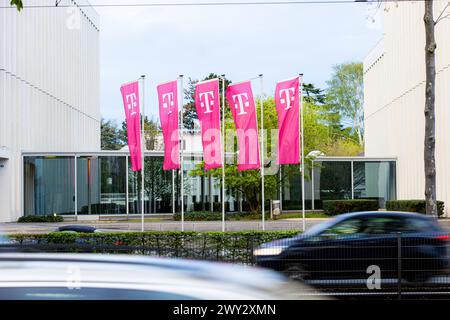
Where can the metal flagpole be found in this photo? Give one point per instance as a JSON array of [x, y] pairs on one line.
[[180, 78], [142, 151], [223, 152], [173, 191], [303, 152], [262, 152]]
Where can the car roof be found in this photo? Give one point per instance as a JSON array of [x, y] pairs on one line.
[[137, 271], [397, 214]]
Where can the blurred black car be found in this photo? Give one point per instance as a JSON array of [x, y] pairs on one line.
[[77, 229], [345, 247]]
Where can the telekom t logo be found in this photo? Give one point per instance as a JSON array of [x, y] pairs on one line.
[[168, 102], [131, 102], [287, 97], [240, 102], [207, 100]]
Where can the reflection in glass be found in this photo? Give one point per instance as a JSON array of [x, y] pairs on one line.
[[374, 180], [101, 185], [49, 186], [333, 180]]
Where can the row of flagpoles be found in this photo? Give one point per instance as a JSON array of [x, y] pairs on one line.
[[209, 108]]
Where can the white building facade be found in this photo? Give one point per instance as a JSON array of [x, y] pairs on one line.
[[394, 85], [49, 89]]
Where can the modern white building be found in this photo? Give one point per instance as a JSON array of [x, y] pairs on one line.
[[49, 92], [394, 83]]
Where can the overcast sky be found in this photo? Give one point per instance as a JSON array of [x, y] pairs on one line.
[[239, 41]]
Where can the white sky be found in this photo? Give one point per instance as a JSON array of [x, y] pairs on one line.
[[239, 41]]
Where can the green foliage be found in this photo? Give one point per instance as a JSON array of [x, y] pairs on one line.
[[151, 130], [345, 95], [47, 218], [213, 216], [417, 206], [335, 207], [17, 3], [189, 112], [232, 247], [110, 136]]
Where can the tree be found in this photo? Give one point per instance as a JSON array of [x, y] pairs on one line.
[[346, 95], [110, 135], [17, 3], [430, 138], [151, 131], [189, 112], [321, 133]]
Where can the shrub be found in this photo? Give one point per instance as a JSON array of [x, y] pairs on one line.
[[199, 216], [216, 246], [412, 206], [46, 218], [335, 207], [213, 216]]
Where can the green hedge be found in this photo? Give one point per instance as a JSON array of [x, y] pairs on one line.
[[47, 218], [216, 246], [210, 216], [335, 207], [412, 206]]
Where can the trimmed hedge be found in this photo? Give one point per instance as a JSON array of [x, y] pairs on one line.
[[335, 207], [417, 206], [209, 216], [215, 246], [199, 216], [47, 218]]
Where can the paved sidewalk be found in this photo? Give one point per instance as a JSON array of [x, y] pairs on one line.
[[124, 226]]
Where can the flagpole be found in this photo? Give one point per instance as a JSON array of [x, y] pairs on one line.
[[262, 152], [173, 191], [302, 151], [142, 151], [180, 78], [223, 152]]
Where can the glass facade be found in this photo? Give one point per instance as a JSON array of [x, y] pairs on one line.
[[105, 184], [101, 185], [354, 179], [49, 185]]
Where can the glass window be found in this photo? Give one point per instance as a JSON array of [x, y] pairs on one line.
[[158, 186], [332, 180], [101, 185], [346, 227], [49, 185], [383, 225], [374, 180]]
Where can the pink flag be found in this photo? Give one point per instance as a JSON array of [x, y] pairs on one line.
[[242, 104], [207, 103], [168, 114], [288, 107], [130, 96]]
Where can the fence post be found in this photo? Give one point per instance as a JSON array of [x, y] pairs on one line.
[[399, 265]]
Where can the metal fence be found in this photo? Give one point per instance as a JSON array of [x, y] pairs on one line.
[[393, 266]]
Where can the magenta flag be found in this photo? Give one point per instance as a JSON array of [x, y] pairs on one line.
[[168, 114], [288, 108], [130, 96], [242, 105], [207, 104]]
